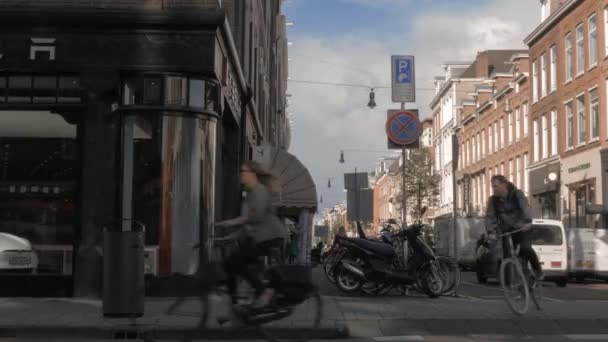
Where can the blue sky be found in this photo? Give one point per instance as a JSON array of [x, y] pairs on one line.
[[351, 41]]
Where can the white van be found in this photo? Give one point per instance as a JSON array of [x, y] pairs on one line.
[[588, 253], [549, 242]]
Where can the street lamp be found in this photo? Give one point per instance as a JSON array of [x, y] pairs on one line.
[[372, 99]]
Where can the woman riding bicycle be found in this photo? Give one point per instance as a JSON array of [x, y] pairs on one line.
[[260, 232], [507, 210]]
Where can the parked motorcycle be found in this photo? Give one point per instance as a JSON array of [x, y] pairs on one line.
[[365, 263]]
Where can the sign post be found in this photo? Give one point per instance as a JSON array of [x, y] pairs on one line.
[[403, 127]]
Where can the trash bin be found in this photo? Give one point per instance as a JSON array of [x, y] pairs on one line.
[[123, 273]]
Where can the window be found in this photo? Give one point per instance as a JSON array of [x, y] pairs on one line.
[[483, 143], [594, 116], [553, 132], [534, 82], [580, 109], [525, 110], [581, 194], [569, 125], [606, 32], [502, 132], [536, 155], [511, 128], [543, 75], [569, 56], [580, 49], [502, 169], [517, 127], [525, 166], [545, 144], [511, 171], [479, 148], [593, 40], [518, 177], [544, 10], [496, 147], [553, 68], [490, 141], [474, 147]]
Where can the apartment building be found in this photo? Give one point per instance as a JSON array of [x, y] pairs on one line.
[[493, 129], [568, 161]]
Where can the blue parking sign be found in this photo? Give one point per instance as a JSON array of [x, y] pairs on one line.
[[403, 73]]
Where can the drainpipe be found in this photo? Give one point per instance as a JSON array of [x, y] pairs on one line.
[[245, 103]]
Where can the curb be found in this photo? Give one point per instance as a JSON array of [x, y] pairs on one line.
[[153, 332]]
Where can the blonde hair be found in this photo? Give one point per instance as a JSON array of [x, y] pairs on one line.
[[264, 176]]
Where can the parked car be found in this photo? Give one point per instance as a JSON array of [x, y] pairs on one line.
[[17, 254], [549, 242], [588, 253]]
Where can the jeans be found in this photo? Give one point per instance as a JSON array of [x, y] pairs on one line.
[[526, 252], [244, 261]]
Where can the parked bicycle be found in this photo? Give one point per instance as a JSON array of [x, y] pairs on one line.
[[296, 294], [518, 281]]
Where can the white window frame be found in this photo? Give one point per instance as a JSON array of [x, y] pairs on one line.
[[580, 49], [511, 127], [545, 136], [569, 53], [525, 170], [518, 178], [502, 168], [517, 123], [483, 143], [474, 146], [511, 171], [479, 150], [593, 119], [496, 136], [490, 140], [569, 114], [553, 67], [580, 113], [593, 56], [536, 154], [534, 82], [543, 75], [605, 32], [502, 132], [554, 133], [526, 122]]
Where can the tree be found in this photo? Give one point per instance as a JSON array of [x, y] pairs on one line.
[[421, 182]]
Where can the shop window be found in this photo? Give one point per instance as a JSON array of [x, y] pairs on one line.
[[2, 89], [40, 89], [38, 176], [69, 90], [19, 89], [580, 195]]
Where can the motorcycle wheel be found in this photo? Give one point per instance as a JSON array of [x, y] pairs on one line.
[[432, 282], [346, 281], [327, 266]]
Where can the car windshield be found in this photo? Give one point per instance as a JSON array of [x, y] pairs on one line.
[[546, 235]]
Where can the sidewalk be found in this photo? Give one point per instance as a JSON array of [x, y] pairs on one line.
[[362, 316]]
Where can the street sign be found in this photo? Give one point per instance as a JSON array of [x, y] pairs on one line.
[[403, 79], [360, 205], [403, 128], [352, 182]]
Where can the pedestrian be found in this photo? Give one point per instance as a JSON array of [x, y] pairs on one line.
[[508, 210], [292, 249]]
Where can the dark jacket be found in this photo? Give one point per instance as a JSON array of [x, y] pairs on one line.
[[508, 213]]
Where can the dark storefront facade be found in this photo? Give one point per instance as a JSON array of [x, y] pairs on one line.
[[544, 188], [101, 127]]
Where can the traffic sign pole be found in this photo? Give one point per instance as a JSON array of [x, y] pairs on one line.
[[403, 198]]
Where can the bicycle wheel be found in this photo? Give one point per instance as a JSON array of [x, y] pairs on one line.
[[536, 291], [451, 275], [515, 286]]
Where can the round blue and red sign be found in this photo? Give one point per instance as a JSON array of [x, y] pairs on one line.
[[403, 128]]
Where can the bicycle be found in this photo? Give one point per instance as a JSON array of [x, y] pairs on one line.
[[296, 293], [518, 281]]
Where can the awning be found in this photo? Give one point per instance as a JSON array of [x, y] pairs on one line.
[[296, 189]]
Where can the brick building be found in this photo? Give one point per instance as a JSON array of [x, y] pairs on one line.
[[493, 130], [134, 110], [568, 159]]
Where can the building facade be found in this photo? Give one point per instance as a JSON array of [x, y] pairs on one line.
[[124, 111], [493, 131], [568, 52]]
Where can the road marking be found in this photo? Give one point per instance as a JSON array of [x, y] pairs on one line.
[[587, 337], [405, 338]]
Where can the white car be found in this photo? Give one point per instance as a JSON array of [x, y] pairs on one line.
[[16, 254]]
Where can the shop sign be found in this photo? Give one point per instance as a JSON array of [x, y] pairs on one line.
[[579, 167]]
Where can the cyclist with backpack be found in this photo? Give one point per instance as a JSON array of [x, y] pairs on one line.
[[508, 210]]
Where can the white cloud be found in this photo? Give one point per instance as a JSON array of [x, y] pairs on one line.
[[329, 118]]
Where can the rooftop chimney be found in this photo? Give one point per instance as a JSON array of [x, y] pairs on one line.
[[482, 65]]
